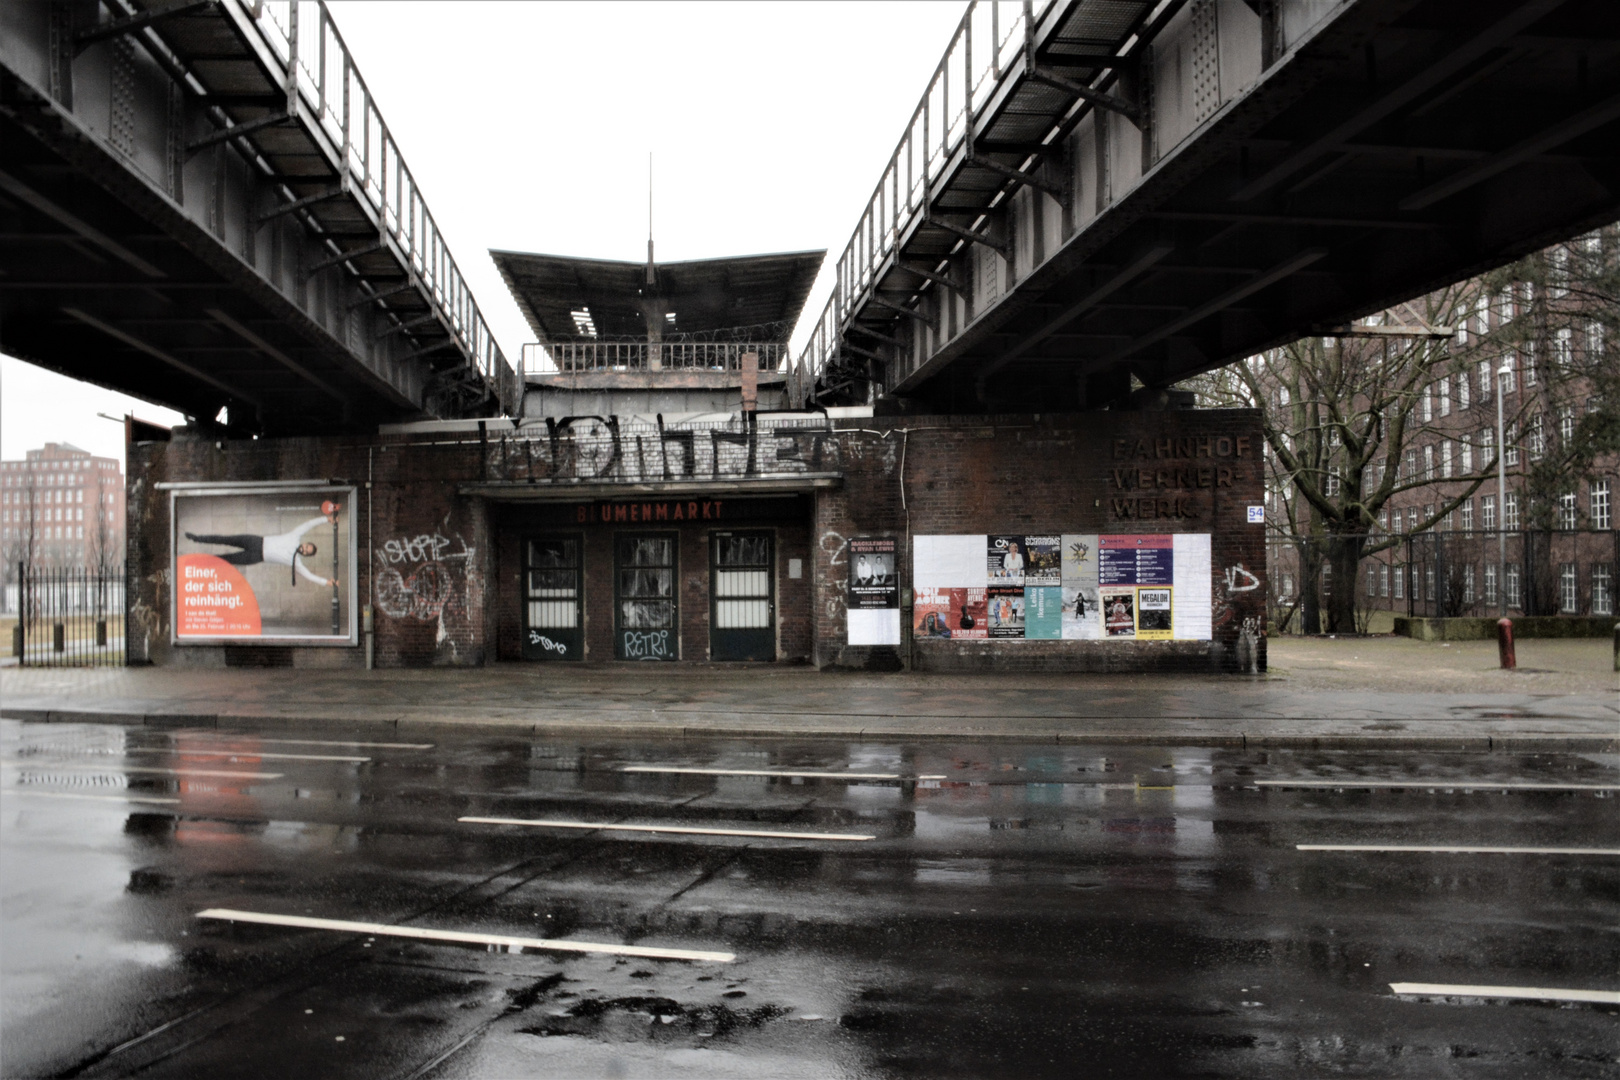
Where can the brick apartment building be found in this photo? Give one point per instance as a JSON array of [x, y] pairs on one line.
[[1539, 336], [61, 507]]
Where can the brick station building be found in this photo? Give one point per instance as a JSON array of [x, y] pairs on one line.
[[658, 500]]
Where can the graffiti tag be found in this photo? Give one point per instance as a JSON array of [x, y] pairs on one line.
[[647, 645]]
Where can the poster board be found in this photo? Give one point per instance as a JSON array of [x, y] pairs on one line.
[[873, 603], [1063, 586], [263, 563]]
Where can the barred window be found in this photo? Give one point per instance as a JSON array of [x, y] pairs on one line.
[[1597, 505], [1468, 584], [1567, 513], [1383, 580], [1490, 583], [1602, 589], [1510, 511], [1512, 587], [1468, 516], [1400, 583]]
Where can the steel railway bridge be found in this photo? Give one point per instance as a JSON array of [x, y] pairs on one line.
[[1097, 198], [202, 204], [203, 207]]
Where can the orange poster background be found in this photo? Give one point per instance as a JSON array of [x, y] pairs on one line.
[[213, 599]]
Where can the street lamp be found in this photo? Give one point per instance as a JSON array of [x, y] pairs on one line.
[[1501, 490]]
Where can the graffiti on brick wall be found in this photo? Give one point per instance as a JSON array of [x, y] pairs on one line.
[[1235, 581], [630, 450], [424, 577]]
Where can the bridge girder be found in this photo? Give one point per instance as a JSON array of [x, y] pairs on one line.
[[1281, 170], [185, 224]]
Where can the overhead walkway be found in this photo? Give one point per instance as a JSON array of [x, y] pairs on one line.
[[1097, 198], [204, 207]]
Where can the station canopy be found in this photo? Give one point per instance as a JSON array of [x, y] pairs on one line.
[[748, 298]]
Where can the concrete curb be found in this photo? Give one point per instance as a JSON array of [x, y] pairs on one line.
[[1581, 742]]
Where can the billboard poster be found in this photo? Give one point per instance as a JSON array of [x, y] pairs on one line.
[[873, 617], [1005, 562], [1043, 561], [1006, 608], [264, 562], [1153, 614], [949, 613], [1082, 619], [1043, 617], [1119, 613], [873, 582], [1135, 560]]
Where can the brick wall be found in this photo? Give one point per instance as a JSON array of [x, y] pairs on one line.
[[1193, 471], [429, 610], [1111, 472]]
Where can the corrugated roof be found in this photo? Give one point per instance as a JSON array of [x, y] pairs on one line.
[[758, 296]]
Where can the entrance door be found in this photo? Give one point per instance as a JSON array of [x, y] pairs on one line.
[[742, 596], [645, 612], [552, 626]]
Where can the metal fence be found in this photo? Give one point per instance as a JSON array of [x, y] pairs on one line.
[[1455, 573], [571, 356], [69, 617]]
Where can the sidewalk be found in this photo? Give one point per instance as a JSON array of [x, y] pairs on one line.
[[1351, 692]]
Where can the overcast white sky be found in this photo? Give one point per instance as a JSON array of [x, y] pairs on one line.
[[528, 125]]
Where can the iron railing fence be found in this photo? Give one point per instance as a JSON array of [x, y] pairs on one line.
[[301, 37], [550, 358], [1454, 573], [990, 41], [69, 617]]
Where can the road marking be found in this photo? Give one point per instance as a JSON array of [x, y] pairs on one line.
[[97, 798], [773, 772], [246, 753], [1487, 784], [1462, 850], [325, 742], [421, 934], [159, 770], [682, 829], [1526, 993]]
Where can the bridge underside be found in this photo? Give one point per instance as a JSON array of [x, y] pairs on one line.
[[1400, 147], [179, 225]]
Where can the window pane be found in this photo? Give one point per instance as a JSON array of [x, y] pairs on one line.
[[553, 553]]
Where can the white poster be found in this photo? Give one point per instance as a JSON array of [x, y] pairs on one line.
[[1081, 618], [874, 626], [1191, 613], [949, 562]]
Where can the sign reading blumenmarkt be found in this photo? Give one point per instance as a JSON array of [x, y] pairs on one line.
[[267, 562]]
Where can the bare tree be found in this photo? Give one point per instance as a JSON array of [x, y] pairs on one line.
[[1373, 413], [1343, 417]]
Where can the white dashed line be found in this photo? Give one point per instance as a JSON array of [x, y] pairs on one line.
[[247, 754], [304, 922], [1461, 849], [774, 772], [322, 742], [94, 798], [679, 829], [226, 774], [1486, 785], [1522, 993]]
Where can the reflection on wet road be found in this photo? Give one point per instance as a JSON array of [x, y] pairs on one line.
[[494, 906]]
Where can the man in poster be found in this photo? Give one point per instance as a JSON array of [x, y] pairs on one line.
[[284, 549]]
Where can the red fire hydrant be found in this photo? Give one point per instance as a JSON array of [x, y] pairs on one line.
[[1504, 644]]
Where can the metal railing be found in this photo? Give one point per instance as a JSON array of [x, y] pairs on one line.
[[69, 617], [571, 356], [987, 44], [302, 37]]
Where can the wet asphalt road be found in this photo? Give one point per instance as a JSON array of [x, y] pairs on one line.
[[1039, 911]]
